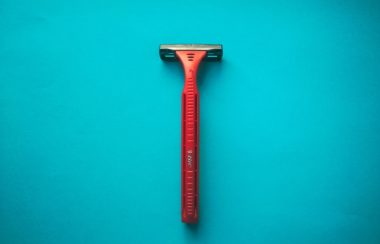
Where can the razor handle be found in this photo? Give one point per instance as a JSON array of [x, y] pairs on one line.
[[190, 135]]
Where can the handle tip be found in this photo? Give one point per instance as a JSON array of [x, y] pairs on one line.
[[190, 219]]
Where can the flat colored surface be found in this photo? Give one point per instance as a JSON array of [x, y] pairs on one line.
[[90, 122]]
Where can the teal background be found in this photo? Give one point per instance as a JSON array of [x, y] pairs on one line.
[[90, 122]]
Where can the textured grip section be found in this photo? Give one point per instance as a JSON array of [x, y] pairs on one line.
[[190, 157], [190, 135]]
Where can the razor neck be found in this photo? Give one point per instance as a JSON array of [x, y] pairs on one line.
[[190, 61]]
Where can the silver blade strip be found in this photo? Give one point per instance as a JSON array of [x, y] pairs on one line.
[[193, 47]]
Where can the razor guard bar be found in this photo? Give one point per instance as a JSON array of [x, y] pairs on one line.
[[214, 52]]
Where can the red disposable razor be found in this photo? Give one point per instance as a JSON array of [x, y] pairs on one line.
[[190, 56]]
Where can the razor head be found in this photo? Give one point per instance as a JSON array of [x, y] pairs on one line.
[[214, 52]]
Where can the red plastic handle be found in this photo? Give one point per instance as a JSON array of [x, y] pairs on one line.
[[190, 135]]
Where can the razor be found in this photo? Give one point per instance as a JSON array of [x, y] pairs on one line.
[[190, 55]]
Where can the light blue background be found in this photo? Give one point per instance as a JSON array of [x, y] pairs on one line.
[[90, 122]]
